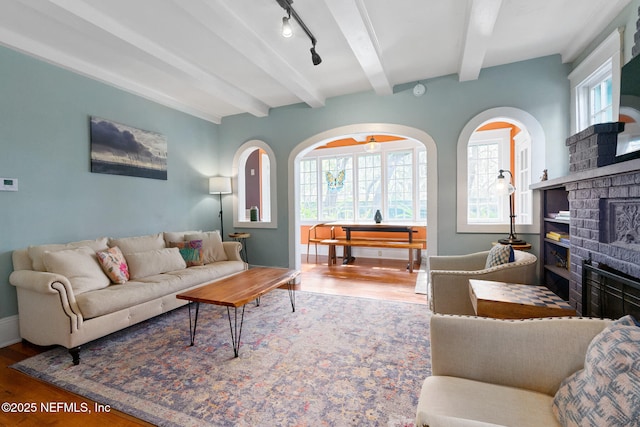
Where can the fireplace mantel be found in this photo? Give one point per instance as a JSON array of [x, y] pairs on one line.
[[601, 172]]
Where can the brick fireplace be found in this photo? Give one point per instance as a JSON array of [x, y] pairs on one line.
[[604, 201]]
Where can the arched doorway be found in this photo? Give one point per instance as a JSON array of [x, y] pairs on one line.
[[365, 128]]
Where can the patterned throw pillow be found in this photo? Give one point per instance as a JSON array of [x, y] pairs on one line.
[[114, 264], [191, 251], [212, 247], [498, 255], [607, 391]]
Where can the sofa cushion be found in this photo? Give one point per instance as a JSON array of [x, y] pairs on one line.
[[212, 249], [114, 298], [458, 401], [607, 390], [190, 250], [177, 236], [114, 264], [80, 266], [129, 245], [157, 261], [498, 255], [36, 252]]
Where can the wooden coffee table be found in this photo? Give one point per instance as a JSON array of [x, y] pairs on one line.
[[236, 291], [515, 301]]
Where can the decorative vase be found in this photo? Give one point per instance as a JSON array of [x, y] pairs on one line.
[[377, 217]]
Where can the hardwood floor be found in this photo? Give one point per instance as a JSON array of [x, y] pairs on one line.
[[378, 279]]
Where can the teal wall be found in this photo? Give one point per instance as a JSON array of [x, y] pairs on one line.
[[538, 86], [44, 143]]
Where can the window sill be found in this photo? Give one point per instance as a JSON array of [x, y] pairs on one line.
[[255, 224]]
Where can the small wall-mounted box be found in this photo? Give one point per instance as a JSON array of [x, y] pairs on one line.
[[8, 184]]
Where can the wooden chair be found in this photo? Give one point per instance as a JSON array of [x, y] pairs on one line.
[[313, 237]]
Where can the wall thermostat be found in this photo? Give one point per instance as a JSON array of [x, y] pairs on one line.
[[8, 184]]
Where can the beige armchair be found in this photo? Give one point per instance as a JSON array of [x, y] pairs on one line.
[[449, 278], [490, 372]]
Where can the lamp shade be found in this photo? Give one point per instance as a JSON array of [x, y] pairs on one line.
[[504, 187], [219, 185]]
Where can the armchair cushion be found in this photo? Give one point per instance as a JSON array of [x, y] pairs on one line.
[[607, 390]]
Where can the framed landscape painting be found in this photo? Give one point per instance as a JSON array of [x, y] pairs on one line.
[[118, 149]]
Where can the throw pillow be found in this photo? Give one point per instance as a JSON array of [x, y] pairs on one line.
[[498, 255], [212, 249], [129, 245], [149, 263], [607, 391], [191, 251], [80, 266], [36, 252], [114, 264]]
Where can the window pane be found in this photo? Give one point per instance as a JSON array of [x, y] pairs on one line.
[[337, 188], [601, 101], [400, 185], [483, 204], [422, 185], [369, 185], [308, 189]]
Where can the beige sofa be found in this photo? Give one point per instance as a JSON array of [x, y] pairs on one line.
[[449, 278], [65, 296], [489, 372]]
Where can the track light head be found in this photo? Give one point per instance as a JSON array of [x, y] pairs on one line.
[[315, 58], [287, 29]]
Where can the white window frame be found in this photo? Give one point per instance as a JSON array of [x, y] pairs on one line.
[[355, 151], [523, 194], [523, 120], [605, 59], [239, 209]]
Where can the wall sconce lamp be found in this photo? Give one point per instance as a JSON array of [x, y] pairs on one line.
[[220, 185], [287, 30], [504, 188]]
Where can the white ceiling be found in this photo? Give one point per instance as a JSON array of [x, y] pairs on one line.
[[215, 58]]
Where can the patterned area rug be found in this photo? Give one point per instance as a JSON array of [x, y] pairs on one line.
[[336, 361]]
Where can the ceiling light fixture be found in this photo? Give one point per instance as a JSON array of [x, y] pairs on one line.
[[287, 31], [372, 146]]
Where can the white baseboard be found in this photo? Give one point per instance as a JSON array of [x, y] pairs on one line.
[[9, 331]]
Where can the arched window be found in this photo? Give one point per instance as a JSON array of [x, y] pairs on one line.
[[255, 179], [501, 138]]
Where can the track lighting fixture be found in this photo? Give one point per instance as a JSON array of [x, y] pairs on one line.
[[287, 30]]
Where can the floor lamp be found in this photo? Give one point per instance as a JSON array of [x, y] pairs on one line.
[[506, 188], [220, 185]]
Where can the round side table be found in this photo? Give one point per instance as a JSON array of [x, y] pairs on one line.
[[242, 238]]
